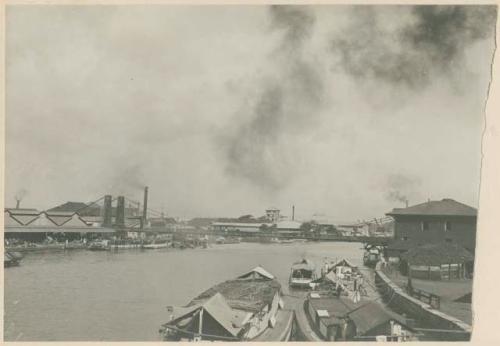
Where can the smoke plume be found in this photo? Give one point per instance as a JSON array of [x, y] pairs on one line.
[[290, 96], [431, 44], [21, 194], [401, 188], [128, 180]]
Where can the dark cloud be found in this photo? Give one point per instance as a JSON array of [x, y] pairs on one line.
[[431, 44], [296, 21], [289, 98]]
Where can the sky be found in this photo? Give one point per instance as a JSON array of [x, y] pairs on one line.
[[343, 111]]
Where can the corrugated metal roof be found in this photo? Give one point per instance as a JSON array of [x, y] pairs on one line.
[[445, 207], [42, 229]]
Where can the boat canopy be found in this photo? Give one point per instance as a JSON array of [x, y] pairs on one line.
[[218, 308], [305, 264], [373, 315], [344, 263], [257, 273]]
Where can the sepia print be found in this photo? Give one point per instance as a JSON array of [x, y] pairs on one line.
[[243, 173]]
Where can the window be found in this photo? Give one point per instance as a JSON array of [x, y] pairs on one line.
[[447, 226], [425, 225]]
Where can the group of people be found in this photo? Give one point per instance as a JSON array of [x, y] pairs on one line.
[[344, 276]]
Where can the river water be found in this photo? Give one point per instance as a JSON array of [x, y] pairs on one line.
[[122, 296]]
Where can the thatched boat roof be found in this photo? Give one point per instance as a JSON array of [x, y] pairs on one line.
[[249, 295], [437, 254]]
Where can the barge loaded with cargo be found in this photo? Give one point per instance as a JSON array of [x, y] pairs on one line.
[[247, 308]]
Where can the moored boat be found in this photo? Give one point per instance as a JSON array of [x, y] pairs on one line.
[[99, 245], [302, 274], [371, 257], [336, 318], [249, 307], [156, 244], [11, 259]]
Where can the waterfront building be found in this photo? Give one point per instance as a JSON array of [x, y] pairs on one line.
[[34, 226], [289, 227], [273, 214], [241, 227], [436, 221], [354, 229]]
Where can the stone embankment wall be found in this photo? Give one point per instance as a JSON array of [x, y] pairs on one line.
[[446, 327]]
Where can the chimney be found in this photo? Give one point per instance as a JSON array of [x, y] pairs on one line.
[[107, 213], [145, 208], [120, 212], [406, 203], [18, 203], [293, 212]]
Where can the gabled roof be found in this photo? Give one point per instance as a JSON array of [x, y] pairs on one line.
[[69, 206], [220, 310], [372, 315], [257, 270], [345, 263], [445, 207]]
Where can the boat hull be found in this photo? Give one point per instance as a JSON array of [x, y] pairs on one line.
[[154, 246]]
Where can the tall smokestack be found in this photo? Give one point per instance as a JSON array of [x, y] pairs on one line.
[[145, 207], [406, 201], [107, 213], [120, 212], [293, 212], [18, 203]]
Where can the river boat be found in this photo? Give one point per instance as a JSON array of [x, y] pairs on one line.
[[341, 308], [338, 318], [371, 257], [11, 259], [302, 274], [228, 240], [156, 244], [247, 308], [99, 245]]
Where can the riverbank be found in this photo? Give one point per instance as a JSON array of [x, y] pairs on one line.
[[445, 327]]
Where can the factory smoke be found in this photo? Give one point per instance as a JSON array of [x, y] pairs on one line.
[[225, 109], [430, 43], [291, 94], [402, 188]]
